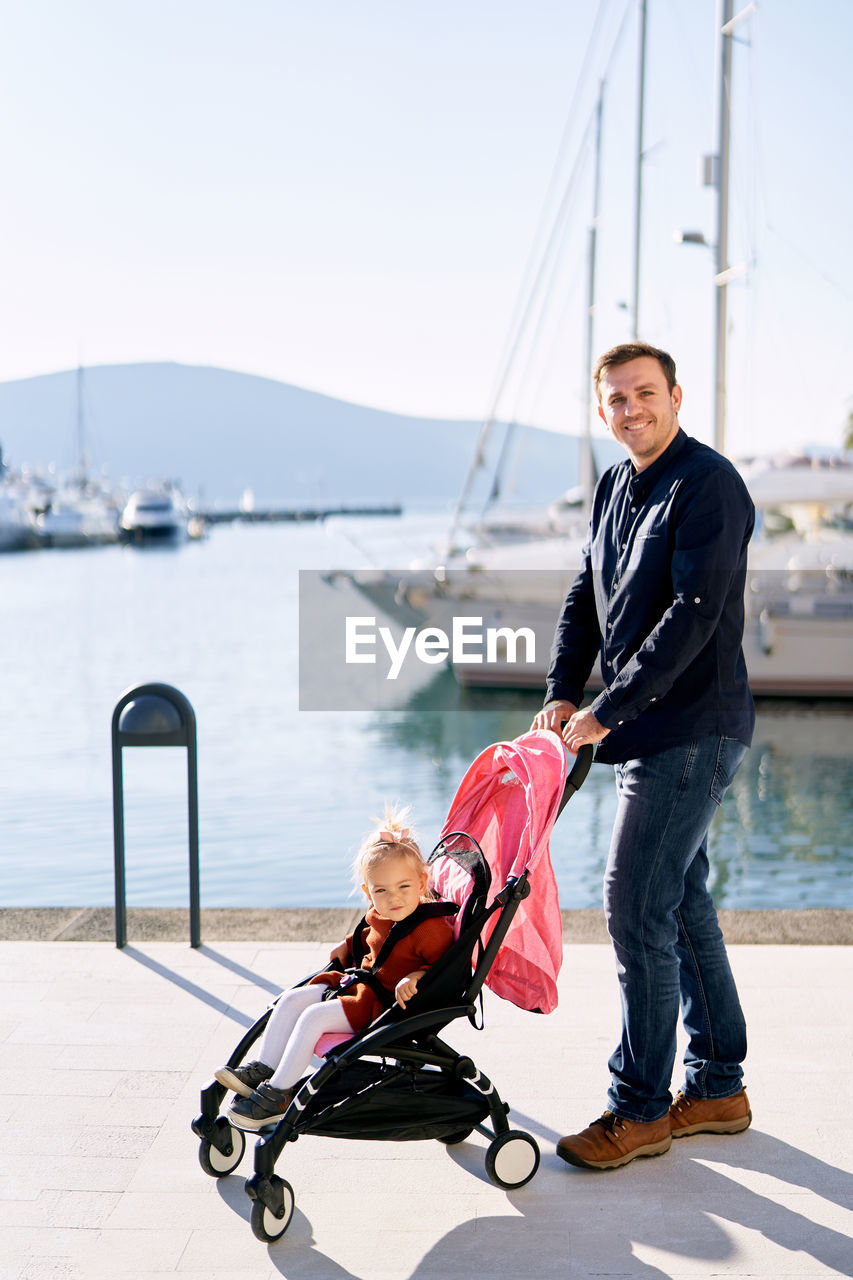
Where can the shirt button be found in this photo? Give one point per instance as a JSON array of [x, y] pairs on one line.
[[621, 722], [697, 600], [653, 699], [633, 508]]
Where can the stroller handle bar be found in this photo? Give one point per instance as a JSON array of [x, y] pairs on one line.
[[580, 769], [577, 775]]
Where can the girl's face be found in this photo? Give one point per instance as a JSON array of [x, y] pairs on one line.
[[395, 887]]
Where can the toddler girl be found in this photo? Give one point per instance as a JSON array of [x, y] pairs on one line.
[[390, 867]]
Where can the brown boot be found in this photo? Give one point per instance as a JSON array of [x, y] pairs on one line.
[[612, 1141], [709, 1115]]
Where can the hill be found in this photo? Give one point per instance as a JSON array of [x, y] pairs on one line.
[[218, 432]]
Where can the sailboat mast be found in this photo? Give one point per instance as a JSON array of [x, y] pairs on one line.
[[638, 201], [587, 462], [82, 459], [721, 279]]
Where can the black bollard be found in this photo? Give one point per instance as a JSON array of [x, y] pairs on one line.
[[154, 715]]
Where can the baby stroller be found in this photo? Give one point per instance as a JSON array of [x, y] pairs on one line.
[[397, 1080]]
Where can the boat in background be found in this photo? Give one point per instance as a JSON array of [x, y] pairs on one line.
[[17, 520], [17, 524], [158, 514], [799, 595], [512, 576], [79, 514], [798, 637], [82, 510]]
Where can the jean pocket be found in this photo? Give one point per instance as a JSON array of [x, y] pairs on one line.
[[730, 754]]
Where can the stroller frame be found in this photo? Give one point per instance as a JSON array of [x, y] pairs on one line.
[[453, 1098]]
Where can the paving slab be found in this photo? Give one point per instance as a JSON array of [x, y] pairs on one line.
[[105, 1051]]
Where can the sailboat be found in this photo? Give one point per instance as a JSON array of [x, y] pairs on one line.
[[156, 515], [17, 523], [799, 598], [82, 512]]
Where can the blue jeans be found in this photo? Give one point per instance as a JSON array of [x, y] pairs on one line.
[[662, 920]]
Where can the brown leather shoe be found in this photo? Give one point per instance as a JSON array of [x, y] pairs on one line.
[[612, 1141], [709, 1115]]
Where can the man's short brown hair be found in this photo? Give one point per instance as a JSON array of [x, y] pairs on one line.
[[626, 351]]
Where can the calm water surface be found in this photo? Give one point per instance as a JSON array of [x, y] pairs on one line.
[[286, 795]]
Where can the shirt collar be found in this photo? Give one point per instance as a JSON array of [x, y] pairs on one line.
[[642, 481]]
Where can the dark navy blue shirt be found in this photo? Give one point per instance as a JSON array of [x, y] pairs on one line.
[[659, 599]]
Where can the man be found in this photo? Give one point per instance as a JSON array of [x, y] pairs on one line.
[[660, 599]]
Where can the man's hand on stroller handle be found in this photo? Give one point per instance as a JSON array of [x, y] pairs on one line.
[[553, 716], [576, 728], [407, 987]]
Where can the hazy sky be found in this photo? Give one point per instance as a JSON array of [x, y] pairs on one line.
[[344, 194]]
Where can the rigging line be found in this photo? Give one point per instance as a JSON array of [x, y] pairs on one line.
[[598, 26], [756, 204], [759, 204], [536, 364], [491, 419], [547, 270], [553, 253], [516, 425], [558, 231], [679, 25], [520, 326], [547, 301], [527, 292], [534, 256], [848, 297], [558, 335], [527, 373], [744, 176]]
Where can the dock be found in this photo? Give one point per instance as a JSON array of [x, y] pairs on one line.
[[294, 515]]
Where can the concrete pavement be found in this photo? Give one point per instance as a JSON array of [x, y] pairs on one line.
[[104, 1053]]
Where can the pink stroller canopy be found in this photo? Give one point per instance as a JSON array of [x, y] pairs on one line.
[[508, 802]]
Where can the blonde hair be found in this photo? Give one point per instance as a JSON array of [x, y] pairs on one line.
[[390, 838]]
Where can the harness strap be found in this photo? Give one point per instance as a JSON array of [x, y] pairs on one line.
[[352, 978], [402, 929], [357, 974], [359, 945], [476, 1023]]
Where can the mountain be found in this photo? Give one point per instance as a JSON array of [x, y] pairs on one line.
[[218, 432]]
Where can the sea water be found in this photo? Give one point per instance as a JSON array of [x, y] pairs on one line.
[[285, 795]]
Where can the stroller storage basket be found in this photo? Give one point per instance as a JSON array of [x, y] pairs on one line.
[[385, 1103]]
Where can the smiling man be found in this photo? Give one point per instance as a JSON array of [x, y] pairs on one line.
[[640, 406], [659, 599]]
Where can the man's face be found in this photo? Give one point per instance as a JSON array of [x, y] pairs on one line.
[[639, 408]]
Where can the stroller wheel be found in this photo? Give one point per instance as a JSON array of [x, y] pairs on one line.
[[512, 1159], [266, 1224], [218, 1163]]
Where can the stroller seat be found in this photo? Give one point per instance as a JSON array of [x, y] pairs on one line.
[[329, 1041], [398, 1080]]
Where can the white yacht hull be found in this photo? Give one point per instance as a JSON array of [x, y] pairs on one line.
[[87, 523], [17, 526], [796, 643], [155, 516]]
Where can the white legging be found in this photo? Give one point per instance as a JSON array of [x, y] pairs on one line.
[[299, 1017]]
